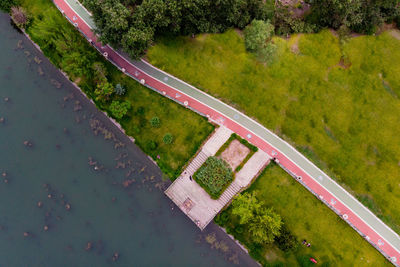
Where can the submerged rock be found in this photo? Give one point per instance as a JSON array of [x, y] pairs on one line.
[[68, 206], [115, 256]]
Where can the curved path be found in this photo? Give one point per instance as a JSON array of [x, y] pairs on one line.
[[316, 181]]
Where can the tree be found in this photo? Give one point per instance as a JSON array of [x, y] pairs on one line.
[[103, 91], [257, 38], [133, 24], [257, 34], [358, 15], [136, 40], [100, 72], [245, 206], [119, 109], [265, 226], [111, 17]]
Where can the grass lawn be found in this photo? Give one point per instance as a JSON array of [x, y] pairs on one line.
[[333, 242], [65, 47], [338, 103]]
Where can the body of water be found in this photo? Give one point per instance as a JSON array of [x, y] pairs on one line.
[[74, 191]]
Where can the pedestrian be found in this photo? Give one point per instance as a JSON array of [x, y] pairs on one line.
[[190, 177], [304, 242], [308, 245]]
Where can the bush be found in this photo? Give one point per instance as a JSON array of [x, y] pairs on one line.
[[155, 122], [151, 145], [239, 229], [214, 176], [168, 138], [103, 91], [119, 109], [286, 241], [19, 16], [119, 89], [6, 5]]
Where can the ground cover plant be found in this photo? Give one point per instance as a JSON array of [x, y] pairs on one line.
[[215, 175], [131, 104], [333, 242], [336, 101]]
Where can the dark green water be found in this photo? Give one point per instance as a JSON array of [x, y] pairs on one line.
[[137, 220]]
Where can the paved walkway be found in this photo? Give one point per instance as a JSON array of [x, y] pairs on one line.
[[193, 200], [332, 194]]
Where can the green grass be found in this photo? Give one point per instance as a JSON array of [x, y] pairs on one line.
[[59, 39], [333, 242], [347, 119]]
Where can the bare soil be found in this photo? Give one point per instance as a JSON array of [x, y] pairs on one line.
[[235, 154]]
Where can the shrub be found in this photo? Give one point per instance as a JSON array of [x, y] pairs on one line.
[[155, 122], [286, 241], [239, 229], [168, 138], [214, 176], [119, 109], [19, 16], [140, 111], [119, 89], [6, 5], [103, 91], [100, 72], [151, 145]]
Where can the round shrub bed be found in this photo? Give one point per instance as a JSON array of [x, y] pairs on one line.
[[214, 176]]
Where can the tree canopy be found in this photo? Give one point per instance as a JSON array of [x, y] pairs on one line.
[[132, 25], [262, 222]]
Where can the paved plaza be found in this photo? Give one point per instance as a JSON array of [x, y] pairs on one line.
[[193, 200]]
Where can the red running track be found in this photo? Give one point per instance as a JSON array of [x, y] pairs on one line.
[[314, 187]]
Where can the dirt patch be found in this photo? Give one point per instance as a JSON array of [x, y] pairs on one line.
[[235, 154], [295, 44], [395, 33], [239, 32]]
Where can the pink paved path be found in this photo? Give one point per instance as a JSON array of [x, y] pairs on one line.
[[357, 223]]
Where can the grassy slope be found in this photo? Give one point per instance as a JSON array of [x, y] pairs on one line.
[[346, 120], [334, 243], [188, 128]]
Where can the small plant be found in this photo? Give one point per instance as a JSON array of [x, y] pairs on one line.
[[239, 229], [19, 16], [140, 111], [168, 138], [155, 122], [151, 145], [119, 89]]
